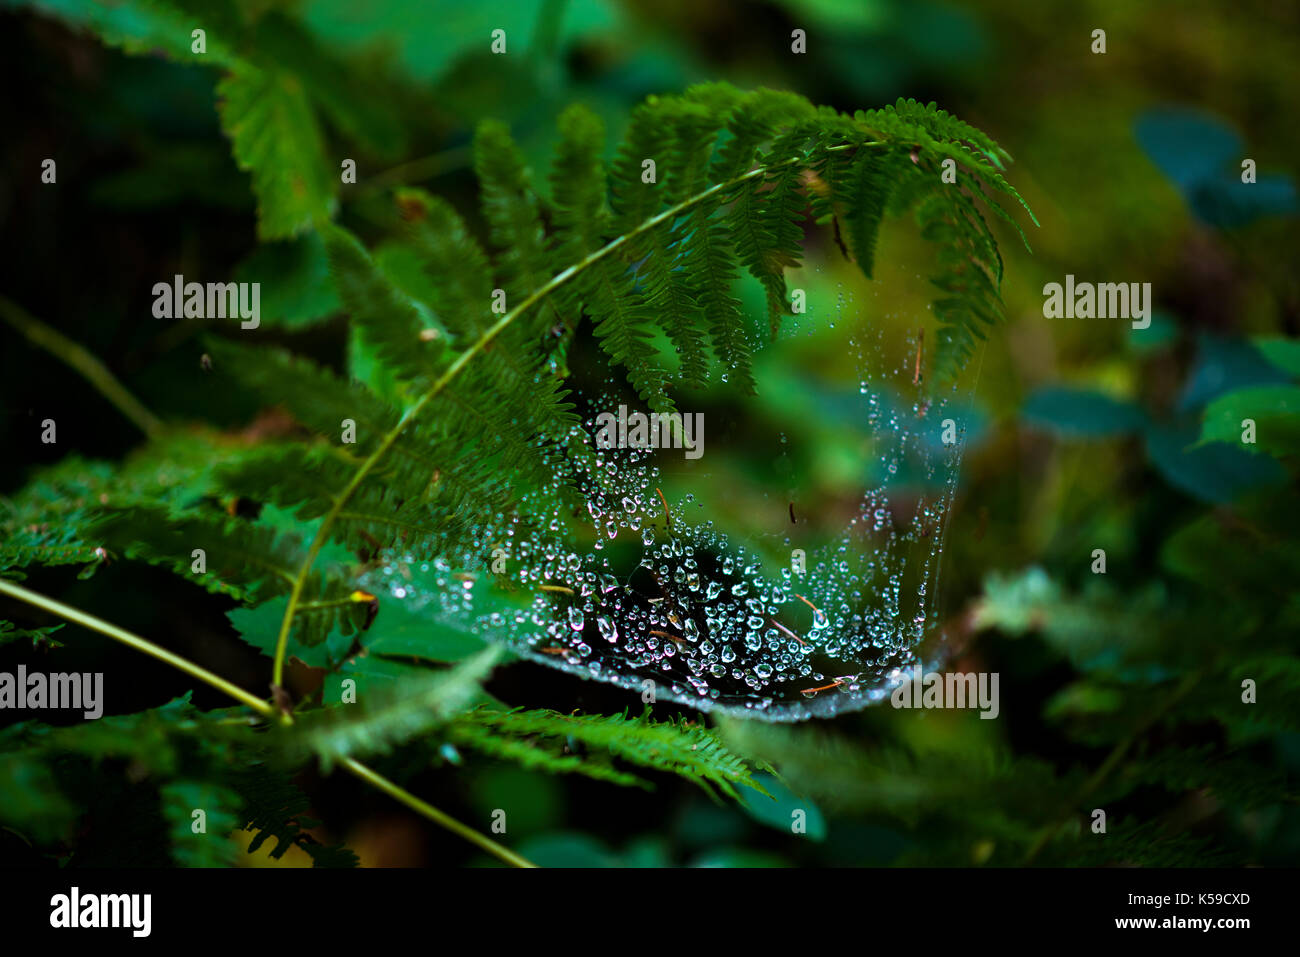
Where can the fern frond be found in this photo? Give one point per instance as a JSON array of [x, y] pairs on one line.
[[315, 396], [39, 637], [513, 212], [670, 299], [452, 260], [386, 318], [275, 136], [384, 719], [607, 289], [752, 122], [966, 278], [940, 125], [868, 181], [711, 271], [674, 747], [635, 198], [276, 809], [49, 521], [220, 805], [764, 230], [250, 562], [537, 753], [242, 560], [935, 132]]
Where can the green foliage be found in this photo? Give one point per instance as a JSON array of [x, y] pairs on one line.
[[37, 636], [173, 759], [453, 410], [277, 83], [154, 27], [249, 561], [1273, 410], [1183, 664], [738, 171], [295, 281], [201, 841], [397, 714], [1122, 691], [275, 137], [540, 739], [957, 786], [1153, 693], [469, 415], [44, 524]]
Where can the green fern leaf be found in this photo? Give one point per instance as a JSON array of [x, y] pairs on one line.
[[387, 319], [386, 718], [674, 747], [276, 138]]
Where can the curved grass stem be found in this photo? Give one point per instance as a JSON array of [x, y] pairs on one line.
[[79, 617], [91, 369], [432, 813], [362, 771]]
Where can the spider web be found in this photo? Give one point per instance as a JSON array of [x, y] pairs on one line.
[[659, 600]]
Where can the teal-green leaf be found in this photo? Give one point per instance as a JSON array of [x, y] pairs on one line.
[[783, 810], [1283, 353], [156, 27], [1082, 412], [1274, 410], [1211, 472]]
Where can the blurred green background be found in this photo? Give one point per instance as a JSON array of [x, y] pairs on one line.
[[1082, 436]]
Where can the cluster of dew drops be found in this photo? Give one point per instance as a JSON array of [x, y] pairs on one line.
[[699, 614]]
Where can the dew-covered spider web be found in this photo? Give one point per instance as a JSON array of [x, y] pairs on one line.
[[632, 585]]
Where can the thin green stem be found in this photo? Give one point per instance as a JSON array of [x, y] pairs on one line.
[[431, 812], [355, 767], [327, 524], [94, 371], [17, 591]]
